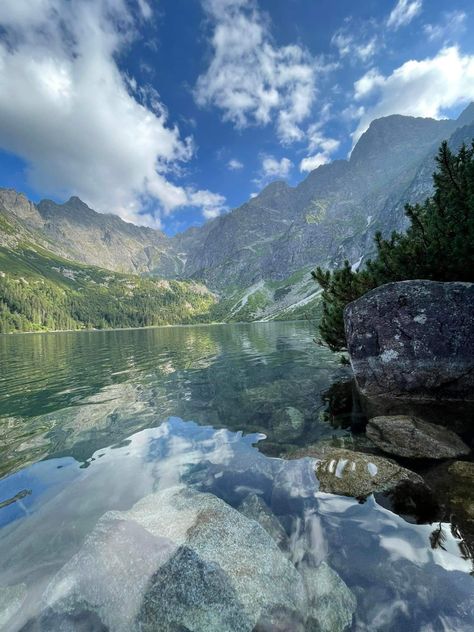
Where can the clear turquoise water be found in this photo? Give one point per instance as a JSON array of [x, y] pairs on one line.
[[94, 422]]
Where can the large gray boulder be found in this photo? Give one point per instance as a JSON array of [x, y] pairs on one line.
[[406, 436], [178, 560], [413, 339], [182, 560]]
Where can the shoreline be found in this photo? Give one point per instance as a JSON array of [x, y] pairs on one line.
[[81, 331]]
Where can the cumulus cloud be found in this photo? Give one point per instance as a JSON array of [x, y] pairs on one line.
[[145, 9], [249, 78], [318, 140], [353, 46], [313, 162], [234, 165], [403, 13], [323, 145], [212, 204], [80, 124], [272, 168], [424, 87], [453, 23]]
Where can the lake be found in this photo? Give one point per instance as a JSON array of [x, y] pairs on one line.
[[141, 488]]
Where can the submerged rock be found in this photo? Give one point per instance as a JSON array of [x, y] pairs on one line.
[[188, 593], [287, 423], [178, 560], [412, 437], [255, 508], [413, 339], [349, 473], [331, 603]]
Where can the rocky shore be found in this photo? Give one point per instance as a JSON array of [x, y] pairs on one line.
[[411, 347]]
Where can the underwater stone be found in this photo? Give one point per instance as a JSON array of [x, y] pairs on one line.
[[412, 437], [332, 604], [234, 573], [255, 508]]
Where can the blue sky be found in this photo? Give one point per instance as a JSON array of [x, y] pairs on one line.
[[169, 112]]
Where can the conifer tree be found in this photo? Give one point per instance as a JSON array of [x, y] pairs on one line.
[[438, 245]]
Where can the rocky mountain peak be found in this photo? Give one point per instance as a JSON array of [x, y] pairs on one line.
[[20, 206], [467, 116]]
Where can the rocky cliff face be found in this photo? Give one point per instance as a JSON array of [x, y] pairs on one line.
[[75, 231], [331, 215], [262, 250]]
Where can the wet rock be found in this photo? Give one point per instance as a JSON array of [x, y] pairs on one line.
[[413, 339], [320, 449], [255, 508], [188, 593], [331, 602], [107, 579], [412, 437], [349, 473], [178, 560]]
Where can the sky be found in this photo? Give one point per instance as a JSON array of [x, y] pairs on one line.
[[171, 112]]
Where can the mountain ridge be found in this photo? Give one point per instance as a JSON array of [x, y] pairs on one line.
[[330, 215]]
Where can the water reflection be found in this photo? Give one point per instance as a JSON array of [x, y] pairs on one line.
[[138, 492], [73, 393], [60, 545]]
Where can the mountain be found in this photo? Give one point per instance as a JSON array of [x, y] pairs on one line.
[[262, 252], [40, 290], [259, 256], [75, 231]]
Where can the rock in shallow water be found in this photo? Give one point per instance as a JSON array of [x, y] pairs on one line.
[[349, 473], [256, 509], [331, 603], [413, 339], [411, 437], [185, 560]]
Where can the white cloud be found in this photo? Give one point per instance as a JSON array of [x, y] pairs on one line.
[[145, 9], [249, 78], [313, 162], [274, 168], [453, 24], [234, 165], [424, 87], [323, 145], [364, 86], [80, 124], [212, 204], [403, 13], [317, 140], [348, 45]]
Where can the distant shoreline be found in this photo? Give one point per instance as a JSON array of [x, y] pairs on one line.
[[81, 331]]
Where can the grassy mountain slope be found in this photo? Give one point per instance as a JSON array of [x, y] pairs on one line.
[[41, 291]]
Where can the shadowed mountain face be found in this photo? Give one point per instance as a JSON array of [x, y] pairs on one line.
[[330, 216]]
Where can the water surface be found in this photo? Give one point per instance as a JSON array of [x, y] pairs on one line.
[[92, 423]]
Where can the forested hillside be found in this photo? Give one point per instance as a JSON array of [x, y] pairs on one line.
[[39, 291]]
